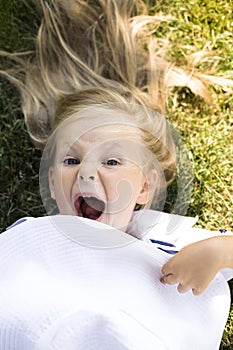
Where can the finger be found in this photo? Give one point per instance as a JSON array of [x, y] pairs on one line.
[[183, 288], [197, 291], [166, 270], [169, 279]]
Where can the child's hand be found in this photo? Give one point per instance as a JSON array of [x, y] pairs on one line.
[[195, 265]]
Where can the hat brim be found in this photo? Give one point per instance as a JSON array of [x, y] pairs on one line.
[[65, 277]]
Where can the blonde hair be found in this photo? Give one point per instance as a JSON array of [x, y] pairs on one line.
[[91, 44]]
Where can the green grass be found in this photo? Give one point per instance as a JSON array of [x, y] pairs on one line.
[[206, 130], [19, 191]]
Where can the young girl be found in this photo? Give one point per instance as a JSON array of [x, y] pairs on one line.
[[106, 157], [109, 155], [92, 96]]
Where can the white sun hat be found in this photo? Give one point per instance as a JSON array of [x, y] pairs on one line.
[[68, 283]]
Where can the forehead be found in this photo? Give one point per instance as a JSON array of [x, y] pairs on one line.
[[102, 136], [108, 133], [78, 130]]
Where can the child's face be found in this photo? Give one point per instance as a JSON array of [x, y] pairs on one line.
[[99, 175]]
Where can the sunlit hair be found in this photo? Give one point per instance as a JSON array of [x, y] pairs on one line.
[[97, 43]]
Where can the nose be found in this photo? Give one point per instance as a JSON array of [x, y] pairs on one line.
[[91, 177], [87, 172]]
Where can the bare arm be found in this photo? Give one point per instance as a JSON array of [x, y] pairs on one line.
[[197, 264]]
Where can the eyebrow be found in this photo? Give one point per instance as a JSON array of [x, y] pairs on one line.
[[108, 148], [65, 149], [115, 146], [70, 147]]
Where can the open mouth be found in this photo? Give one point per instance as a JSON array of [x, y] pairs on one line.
[[89, 207]]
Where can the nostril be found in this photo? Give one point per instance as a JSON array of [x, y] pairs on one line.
[[91, 177]]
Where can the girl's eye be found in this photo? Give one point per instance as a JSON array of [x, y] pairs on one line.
[[112, 162], [71, 161]]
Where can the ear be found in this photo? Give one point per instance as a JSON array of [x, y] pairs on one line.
[[148, 186], [51, 182]]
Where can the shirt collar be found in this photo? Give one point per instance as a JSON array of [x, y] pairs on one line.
[[156, 224]]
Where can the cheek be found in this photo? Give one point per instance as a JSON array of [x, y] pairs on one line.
[[122, 184], [109, 182], [63, 192], [64, 182]]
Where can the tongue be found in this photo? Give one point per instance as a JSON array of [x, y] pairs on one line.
[[91, 208]]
